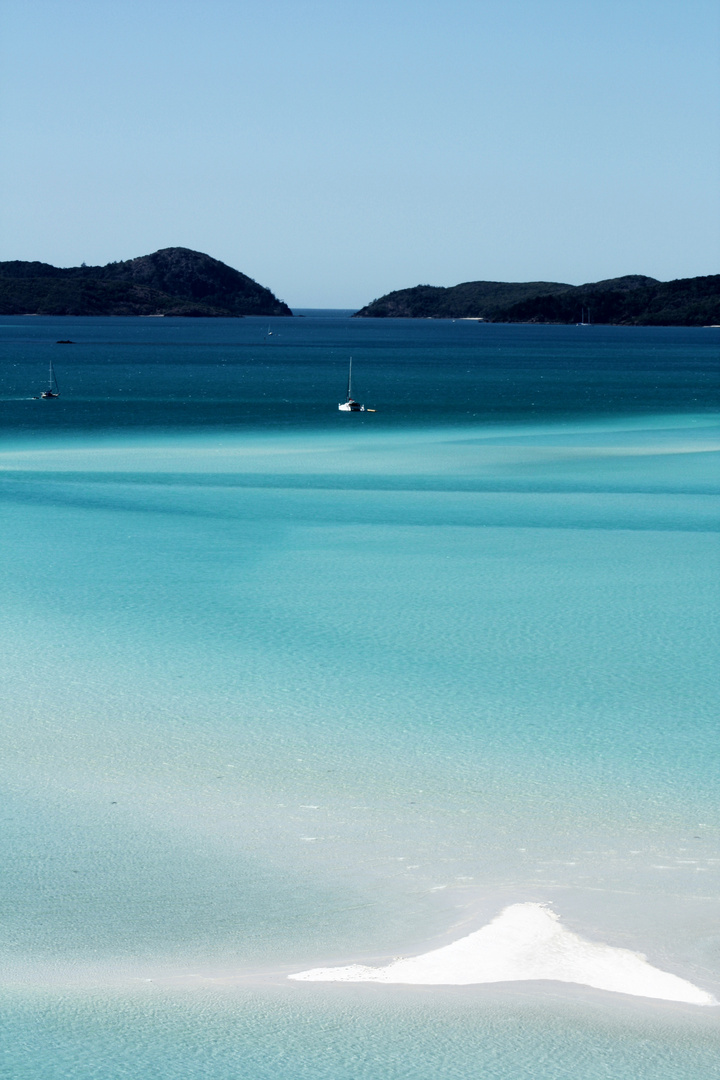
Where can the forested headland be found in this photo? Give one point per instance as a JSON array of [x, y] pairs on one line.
[[633, 300], [172, 281]]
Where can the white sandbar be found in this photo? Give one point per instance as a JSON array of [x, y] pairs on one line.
[[526, 941]]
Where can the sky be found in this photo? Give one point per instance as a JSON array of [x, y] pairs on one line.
[[335, 150]]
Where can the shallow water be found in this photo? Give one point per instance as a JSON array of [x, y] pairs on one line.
[[292, 688], [364, 1033]]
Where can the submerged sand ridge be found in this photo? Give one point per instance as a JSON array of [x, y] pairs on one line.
[[525, 941]]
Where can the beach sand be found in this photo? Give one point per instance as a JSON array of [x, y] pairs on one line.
[[524, 942]]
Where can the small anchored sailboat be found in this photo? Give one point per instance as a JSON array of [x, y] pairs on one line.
[[53, 390], [349, 404]]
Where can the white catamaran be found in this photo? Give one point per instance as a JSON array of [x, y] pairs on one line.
[[350, 405]]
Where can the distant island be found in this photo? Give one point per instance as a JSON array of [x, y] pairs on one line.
[[172, 281], [633, 300]]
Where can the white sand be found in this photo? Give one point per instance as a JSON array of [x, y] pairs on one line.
[[526, 941]]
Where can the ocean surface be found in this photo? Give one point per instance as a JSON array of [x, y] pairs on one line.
[[287, 688]]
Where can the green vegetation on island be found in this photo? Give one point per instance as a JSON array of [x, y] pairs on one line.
[[472, 299], [172, 281], [633, 300]]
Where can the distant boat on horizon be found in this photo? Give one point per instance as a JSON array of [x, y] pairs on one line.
[[583, 321], [53, 390], [349, 404]]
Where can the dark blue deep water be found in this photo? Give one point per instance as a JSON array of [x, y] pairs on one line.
[[223, 374]]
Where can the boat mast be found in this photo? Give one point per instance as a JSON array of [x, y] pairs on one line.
[[349, 396]]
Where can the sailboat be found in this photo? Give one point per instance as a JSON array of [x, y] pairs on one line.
[[53, 389], [349, 405]]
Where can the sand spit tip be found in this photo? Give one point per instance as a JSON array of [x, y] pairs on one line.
[[525, 941]]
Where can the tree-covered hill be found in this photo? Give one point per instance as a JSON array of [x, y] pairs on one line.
[[173, 281], [471, 299], [684, 302], [630, 300]]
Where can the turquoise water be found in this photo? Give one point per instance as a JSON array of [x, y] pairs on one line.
[[287, 687], [325, 1036]]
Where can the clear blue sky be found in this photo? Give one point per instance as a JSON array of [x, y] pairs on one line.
[[337, 149]]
